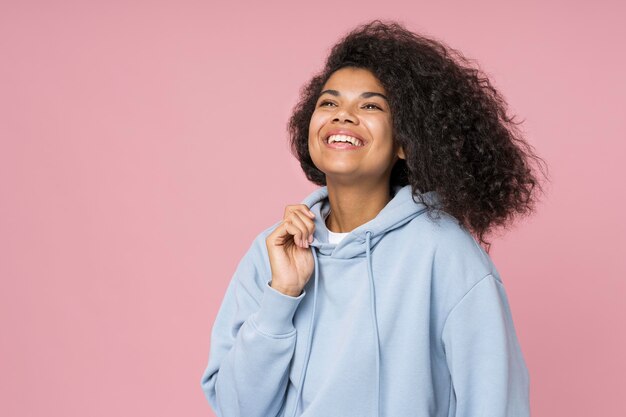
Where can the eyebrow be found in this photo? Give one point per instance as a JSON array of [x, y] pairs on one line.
[[366, 94]]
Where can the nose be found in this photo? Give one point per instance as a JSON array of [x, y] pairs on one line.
[[343, 115]]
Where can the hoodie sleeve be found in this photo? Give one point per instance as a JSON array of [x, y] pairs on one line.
[[489, 375], [252, 343]]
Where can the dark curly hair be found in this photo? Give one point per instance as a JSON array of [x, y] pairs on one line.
[[449, 119]]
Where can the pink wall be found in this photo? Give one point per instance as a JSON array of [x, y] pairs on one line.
[[143, 147]]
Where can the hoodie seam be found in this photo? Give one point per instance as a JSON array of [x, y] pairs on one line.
[[445, 322]]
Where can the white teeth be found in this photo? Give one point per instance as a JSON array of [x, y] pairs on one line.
[[344, 138]]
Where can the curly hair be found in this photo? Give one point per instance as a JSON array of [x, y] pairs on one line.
[[449, 119]]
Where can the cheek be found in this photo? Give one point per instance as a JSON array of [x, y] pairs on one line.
[[314, 127], [383, 132], [317, 121]]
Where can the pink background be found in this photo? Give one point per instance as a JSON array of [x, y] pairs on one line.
[[143, 147]]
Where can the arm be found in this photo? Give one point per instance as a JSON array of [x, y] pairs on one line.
[[252, 343], [488, 371]]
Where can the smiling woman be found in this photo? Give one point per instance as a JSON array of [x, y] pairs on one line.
[[358, 302]]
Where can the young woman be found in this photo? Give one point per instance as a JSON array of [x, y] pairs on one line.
[[373, 297]]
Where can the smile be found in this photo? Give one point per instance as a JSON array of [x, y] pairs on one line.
[[343, 142]]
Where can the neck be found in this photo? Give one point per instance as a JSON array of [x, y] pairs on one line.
[[354, 205]]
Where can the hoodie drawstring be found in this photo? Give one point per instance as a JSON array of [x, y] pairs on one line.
[[374, 319], [308, 345], [374, 324]]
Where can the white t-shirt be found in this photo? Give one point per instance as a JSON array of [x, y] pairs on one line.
[[334, 237]]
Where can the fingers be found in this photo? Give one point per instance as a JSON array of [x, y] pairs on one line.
[[291, 230], [301, 207], [300, 218], [305, 228]]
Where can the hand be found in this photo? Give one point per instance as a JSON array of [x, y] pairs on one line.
[[291, 259]]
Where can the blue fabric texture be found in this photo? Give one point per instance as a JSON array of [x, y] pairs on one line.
[[406, 316]]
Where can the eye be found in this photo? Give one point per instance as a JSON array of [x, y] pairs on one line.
[[376, 106], [323, 103]]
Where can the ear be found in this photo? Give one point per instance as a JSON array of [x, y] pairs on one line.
[[401, 154]]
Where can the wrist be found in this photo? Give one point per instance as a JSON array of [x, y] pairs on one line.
[[292, 292]]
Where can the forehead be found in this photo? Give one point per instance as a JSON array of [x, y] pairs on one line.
[[353, 79]]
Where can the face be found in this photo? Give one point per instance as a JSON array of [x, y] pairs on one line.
[[353, 103]]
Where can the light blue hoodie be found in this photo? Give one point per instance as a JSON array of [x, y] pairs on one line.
[[406, 316]]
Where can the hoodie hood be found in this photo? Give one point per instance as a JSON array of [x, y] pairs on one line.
[[398, 211]]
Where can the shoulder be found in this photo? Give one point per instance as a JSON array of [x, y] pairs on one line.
[[456, 255], [259, 240], [254, 270], [257, 251], [457, 262]]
